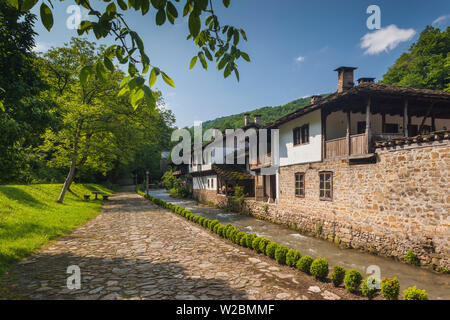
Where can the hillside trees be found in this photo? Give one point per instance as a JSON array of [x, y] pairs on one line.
[[426, 65]]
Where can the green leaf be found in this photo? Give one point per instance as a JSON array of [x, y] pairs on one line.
[[172, 10], [14, 3], [194, 24], [122, 4], [226, 3], [111, 9], [153, 77], [85, 74], [193, 62], [2, 107], [167, 79], [46, 16], [160, 17], [27, 4], [101, 71], [236, 72], [243, 34], [136, 97], [151, 102], [108, 64], [203, 60], [245, 56]]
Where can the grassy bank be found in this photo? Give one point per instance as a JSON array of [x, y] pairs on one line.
[[30, 216]]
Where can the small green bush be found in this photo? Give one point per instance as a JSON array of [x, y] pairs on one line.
[[255, 244], [206, 222], [200, 221], [243, 241], [216, 226], [280, 254], [390, 288], [250, 238], [370, 287], [231, 233], [292, 256], [304, 264], [337, 275], [262, 245], [212, 224], [352, 280], [319, 268], [270, 249], [220, 230], [413, 293], [411, 258], [238, 236]]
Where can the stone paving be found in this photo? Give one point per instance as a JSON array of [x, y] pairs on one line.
[[136, 250]]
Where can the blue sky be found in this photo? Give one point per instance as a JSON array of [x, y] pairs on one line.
[[294, 45]]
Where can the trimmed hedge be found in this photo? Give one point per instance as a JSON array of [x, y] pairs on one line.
[[413, 293], [337, 275], [280, 254], [304, 264], [390, 288], [352, 280], [270, 249], [319, 268], [292, 257], [369, 287]]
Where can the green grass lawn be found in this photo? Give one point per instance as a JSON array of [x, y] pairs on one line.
[[30, 216]]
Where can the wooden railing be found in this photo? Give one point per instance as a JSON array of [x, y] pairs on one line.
[[358, 144], [338, 148], [262, 162]]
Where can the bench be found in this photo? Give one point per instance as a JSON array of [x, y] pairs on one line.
[[105, 196]]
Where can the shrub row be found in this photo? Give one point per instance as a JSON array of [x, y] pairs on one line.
[[352, 279]]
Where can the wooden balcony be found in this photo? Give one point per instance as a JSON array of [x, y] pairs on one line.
[[262, 162], [341, 148]]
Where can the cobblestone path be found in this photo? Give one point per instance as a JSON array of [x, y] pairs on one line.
[[136, 250]]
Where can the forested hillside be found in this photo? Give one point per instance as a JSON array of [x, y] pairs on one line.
[[268, 114]]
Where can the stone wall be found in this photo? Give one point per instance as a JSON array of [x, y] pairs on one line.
[[211, 196], [397, 204]]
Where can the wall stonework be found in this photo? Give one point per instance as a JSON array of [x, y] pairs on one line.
[[211, 196], [397, 204]]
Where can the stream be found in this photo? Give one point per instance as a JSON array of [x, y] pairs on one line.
[[437, 285]]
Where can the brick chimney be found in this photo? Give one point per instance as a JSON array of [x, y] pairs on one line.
[[257, 118], [246, 119], [345, 78], [315, 99], [366, 80]]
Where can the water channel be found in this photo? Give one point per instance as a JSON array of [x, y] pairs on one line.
[[437, 285]]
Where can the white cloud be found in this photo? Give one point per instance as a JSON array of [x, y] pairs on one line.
[[41, 47], [385, 39], [300, 59], [441, 21]]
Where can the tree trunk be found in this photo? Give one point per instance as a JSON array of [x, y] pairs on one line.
[[71, 174]]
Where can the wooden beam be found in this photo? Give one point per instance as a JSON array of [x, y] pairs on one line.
[[405, 118], [383, 122], [433, 123], [348, 133], [430, 108], [324, 132], [368, 124]]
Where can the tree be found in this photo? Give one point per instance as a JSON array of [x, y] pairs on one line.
[[214, 40], [23, 114], [97, 129], [426, 65]]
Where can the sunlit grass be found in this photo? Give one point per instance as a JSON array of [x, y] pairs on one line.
[[30, 216]]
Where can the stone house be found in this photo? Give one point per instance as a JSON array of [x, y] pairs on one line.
[[366, 167]]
